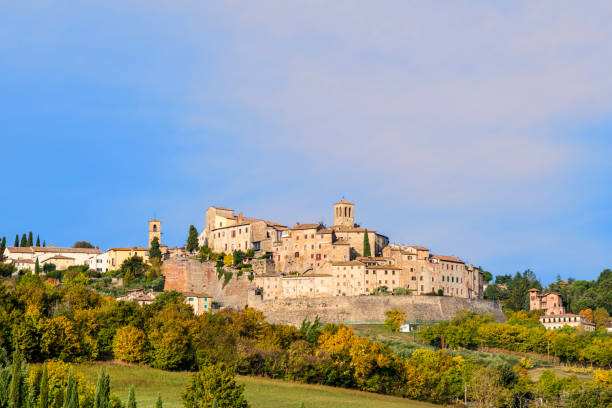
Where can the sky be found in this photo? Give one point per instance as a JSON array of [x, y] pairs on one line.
[[478, 129]]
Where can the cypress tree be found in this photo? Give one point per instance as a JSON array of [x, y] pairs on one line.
[[16, 397], [37, 267], [24, 241], [102, 396], [366, 244], [74, 396], [30, 239], [44, 243], [37, 240], [158, 403], [154, 251], [68, 392], [132, 398], [192, 239], [43, 396], [16, 240], [2, 248]]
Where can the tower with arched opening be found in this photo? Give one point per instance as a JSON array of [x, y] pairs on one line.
[[154, 231], [344, 213]]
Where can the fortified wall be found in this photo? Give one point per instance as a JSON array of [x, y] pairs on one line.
[[370, 309], [188, 275]]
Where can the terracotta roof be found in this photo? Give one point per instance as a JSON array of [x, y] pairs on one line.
[[20, 250], [343, 201], [447, 258], [319, 275], [305, 226], [383, 267], [21, 260], [129, 249], [194, 294], [343, 228], [374, 258], [347, 263], [221, 208], [67, 250], [419, 248], [58, 257]]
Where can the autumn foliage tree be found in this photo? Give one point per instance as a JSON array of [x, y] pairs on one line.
[[214, 385], [395, 318], [130, 344]]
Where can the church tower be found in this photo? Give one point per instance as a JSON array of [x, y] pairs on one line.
[[344, 214], [154, 231]]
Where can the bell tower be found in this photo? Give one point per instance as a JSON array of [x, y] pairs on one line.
[[154, 231], [344, 213]]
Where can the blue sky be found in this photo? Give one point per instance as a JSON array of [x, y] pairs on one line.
[[478, 130]]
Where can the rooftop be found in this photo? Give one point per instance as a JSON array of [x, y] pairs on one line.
[[447, 258]]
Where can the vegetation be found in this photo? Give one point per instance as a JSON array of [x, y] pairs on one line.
[[154, 251], [366, 244], [522, 333], [395, 319], [83, 244], [214, 385], [192, 239]]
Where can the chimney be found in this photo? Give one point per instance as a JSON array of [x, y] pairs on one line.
[[50, 245], [240, 216]]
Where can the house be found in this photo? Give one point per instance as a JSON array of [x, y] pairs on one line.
[[199, 301], [552, 322]]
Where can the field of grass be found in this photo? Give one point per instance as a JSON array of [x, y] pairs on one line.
[[260, 392]]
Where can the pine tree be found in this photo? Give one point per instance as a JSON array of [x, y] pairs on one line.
[[24, 241], [43, 395], [37, 240], [30, 239], [102, 396], [16, 240], [192, 239], [37, 267], [132, 398], [366, 244], [159, 403]]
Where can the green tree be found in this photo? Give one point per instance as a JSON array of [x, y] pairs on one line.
[[154, 251], [2, 248], [192, 239], [132, 398], [17, 388], [238, 257], [366, 244], [601, 317], [214, 383], [30, 239], [102, 395], [37, 267], [16, 240], [37, 240], [43, 397], [44, 243], [24, 241], [158, 402], [82, 244]]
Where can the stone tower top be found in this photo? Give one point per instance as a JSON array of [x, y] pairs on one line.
[[344, 213], [154, 231]]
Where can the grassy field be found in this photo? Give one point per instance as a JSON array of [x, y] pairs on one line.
[[260, 392]]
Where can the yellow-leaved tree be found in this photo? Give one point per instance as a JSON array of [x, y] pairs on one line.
[[395, 319], [130, 344]]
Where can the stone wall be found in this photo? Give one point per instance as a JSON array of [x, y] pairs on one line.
[[369, 309], [188, 275]]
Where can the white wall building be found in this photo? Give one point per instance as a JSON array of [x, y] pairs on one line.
[[552, 322]]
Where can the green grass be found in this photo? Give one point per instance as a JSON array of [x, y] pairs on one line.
[[260, 392]]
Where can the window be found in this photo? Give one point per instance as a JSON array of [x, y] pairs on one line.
[[297, 254], [205, 306]]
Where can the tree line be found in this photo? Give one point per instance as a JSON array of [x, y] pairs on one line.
[[73, 324]]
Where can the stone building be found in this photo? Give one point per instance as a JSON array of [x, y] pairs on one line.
[[226, 232], [20, 255], [551, 303], [557, 321]]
